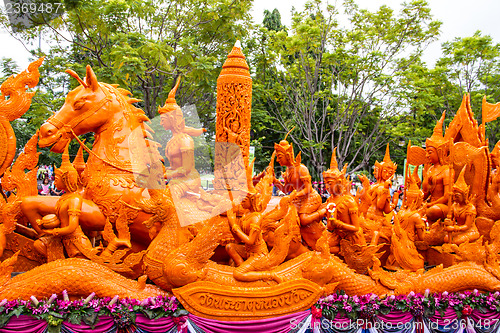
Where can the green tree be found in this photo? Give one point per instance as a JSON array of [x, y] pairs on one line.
[[144, 45], [424, 94], [472, 66], [272, 20], [469, 60], [337, 85]]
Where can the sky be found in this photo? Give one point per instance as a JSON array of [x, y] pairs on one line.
[[460, 19]]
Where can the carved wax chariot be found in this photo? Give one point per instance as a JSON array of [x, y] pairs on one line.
[[122, 197]]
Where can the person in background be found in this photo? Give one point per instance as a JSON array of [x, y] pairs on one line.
[[50, 172], [45, 187], [315, 186], [323, 192], [400, 197], [54, 190]]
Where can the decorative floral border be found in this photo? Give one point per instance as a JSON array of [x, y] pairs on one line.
[[55, 310], [427, 305]]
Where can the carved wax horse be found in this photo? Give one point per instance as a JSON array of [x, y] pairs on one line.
[[109, 178]]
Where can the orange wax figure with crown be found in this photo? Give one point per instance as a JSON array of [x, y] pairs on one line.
[[345, 223], [68, 211], [179, 151], [70, 178], [307, 200], [252, 258], [409, 227], [438, 178], [460, 221], [376, 201]]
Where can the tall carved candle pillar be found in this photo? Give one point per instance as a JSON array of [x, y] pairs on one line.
[[234, 100]]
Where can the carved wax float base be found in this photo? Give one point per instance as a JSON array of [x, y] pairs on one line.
[[435, 256], [215, 301], [28, 258]]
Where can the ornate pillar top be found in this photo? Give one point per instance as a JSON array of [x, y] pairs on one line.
[[235, 63]]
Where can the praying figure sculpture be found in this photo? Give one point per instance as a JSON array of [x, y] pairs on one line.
[[307, 200], [66, 221], [459, 224], [376, 202], [438, 175], [179, 151], [409, 226], [345, 221], [251, 256]]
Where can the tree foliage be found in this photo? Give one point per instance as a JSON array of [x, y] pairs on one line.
[[336, 84], [342, 76]]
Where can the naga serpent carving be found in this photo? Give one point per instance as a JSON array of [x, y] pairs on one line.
[[79, 277]]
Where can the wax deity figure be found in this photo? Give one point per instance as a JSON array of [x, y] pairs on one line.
[[179, 151], [67, 214], [307, 200], [251, 256], [460, 224], [376, 202], [438, 177], [346, 237], [409, 226], [345, 221]]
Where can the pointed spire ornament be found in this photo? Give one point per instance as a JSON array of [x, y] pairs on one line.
[[387, 163], [437, 139], [66, 164], [387, 157], [67, 172], [333, 161], [414, 179], [170, 103], [79, 162], [285, 147], [333, 172], [460, 185]]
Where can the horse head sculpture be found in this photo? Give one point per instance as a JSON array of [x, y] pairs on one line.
[[91, 107]]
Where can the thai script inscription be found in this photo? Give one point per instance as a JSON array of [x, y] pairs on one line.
[[253, 304]]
